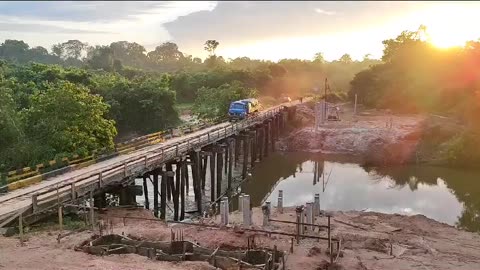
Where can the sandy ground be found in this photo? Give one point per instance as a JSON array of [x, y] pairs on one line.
[[373, 133], [416, 242]]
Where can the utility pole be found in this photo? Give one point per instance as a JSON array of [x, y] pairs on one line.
[[325, 97], [327, 87], [355, 108]]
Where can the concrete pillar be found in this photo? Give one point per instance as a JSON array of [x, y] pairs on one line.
[[266, 215], [224, 210], [302, 220], [316, 205], [280, 201], [247, 216], [240, 202], [269, 205], [309, 214]]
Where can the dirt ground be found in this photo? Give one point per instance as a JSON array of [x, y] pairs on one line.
[[369, 241]]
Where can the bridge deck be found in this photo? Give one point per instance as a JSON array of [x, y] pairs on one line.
[[20, 200]]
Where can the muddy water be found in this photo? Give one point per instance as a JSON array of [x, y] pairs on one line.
[[447, 195]]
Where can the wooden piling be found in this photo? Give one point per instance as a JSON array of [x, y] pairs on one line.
[[187, 178], [163, 195], [155, 193], [212, 176], [253, 155], [145, 192], [183, 178], [169, 182], [92, 213], [226, 155], [260, 147], [176, 191], [197, 184], [267, 138], [219, 172], [245, 156], [204, 171], [237, 149], [230, 167], [272, 128]]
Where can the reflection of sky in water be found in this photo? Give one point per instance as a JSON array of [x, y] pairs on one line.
[[351, 188]]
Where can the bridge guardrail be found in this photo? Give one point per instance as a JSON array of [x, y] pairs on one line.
[[31, 175]]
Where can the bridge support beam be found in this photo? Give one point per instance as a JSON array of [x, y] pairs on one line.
[[267, 137], [253, 144], [213, 158], [230, 143], [145, 191], [169, 168], [220, 151], [155, 174], [246, 146], [238, 142], [100, 200], [260, 138], [196, 171]]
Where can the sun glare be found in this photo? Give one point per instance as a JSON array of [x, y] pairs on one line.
[[451, 25]]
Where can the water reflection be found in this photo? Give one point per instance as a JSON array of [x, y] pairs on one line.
[[447, 195]]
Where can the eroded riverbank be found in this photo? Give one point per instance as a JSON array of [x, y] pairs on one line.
[[369, 241]]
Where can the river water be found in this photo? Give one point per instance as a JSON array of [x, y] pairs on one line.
[[447, 195]]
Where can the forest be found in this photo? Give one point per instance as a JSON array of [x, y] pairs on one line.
[[417, 77], [76, 97]]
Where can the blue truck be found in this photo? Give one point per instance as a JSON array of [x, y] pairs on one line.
[[241, 109]]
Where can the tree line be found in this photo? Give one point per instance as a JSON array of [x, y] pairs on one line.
[[78, 97], [418, 77]]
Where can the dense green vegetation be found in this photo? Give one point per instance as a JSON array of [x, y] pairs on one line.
[[417, 77], [78, 97]]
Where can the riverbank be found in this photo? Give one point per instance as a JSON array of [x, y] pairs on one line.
[[369, 241], [379, 137]]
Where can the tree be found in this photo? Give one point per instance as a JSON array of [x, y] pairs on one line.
[[214, 102], [71, 49], [210, 46], [100, 57], [129, 53], [68, 119], [167, 53], [318, 58], [14, 50], [346, 59]]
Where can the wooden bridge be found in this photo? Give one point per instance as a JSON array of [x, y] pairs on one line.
[[218, 142]]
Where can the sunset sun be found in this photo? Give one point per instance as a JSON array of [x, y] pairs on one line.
[[446, 25]]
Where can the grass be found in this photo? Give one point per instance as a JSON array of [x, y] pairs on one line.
[[71, 222], [183, 106]]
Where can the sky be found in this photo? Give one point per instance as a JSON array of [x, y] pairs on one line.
[[260, 30]]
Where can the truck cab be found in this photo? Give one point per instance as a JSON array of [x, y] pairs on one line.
[[237, 110], [242, 108]]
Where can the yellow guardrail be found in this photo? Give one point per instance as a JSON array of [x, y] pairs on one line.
[[23, 177]]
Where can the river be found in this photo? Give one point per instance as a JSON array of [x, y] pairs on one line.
[[447, 195]]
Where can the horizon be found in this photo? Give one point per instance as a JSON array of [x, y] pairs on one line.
[[243, 29]]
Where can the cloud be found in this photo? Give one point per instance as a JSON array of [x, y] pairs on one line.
[[46, 23], [322, 11]]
